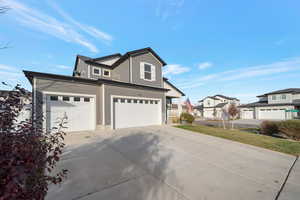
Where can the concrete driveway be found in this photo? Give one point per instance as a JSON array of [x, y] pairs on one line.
[[163, 162]]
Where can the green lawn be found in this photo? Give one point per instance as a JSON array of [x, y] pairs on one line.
[[275, 144]]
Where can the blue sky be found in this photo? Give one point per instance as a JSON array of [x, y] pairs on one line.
[[235, 48]]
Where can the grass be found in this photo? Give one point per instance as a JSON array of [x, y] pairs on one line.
[[267, 142]]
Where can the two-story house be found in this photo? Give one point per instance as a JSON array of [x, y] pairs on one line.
[[212, 107], [114, 91], [281, 104]]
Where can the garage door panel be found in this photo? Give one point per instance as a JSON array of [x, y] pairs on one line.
[[79, 115], [272, 114], [136, 112], [248, 114]]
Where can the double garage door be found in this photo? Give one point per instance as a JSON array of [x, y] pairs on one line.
[[247, 114], [134, 112], [77, 111], [272, 114]]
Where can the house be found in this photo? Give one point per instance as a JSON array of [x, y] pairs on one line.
[[212, 107], [114, 91], [278, 105]]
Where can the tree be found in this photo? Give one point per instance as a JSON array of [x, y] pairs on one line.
[[233, 111], [28, 153]]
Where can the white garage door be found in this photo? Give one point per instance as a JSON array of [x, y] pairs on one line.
[[78, 111], [247, 114], [208, 113], [131, 112], [271, 114]]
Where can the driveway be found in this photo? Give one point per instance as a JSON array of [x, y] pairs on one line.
[[163, 162]]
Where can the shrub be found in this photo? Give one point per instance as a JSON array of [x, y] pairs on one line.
[[290, 128], [269, 127], [28, 154], [187, 117], [175, 120]]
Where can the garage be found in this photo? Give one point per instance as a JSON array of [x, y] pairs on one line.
[[79, 112], [247, 114], [135, 112], [272, 114]]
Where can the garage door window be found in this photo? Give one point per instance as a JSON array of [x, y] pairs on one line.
[[135, 101], [128, 100], [66, 98], [156, 102], [76, 98], [54, 98], [140, 101], [122, 100], [86, 99]]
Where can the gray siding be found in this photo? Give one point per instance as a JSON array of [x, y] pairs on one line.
[[121, 72], [149, 58], [110, 90], [83, 68], [53, 85]]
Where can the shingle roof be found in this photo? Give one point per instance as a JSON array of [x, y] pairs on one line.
[[226, 97], [220, 105], [260, 104], [288, 90]]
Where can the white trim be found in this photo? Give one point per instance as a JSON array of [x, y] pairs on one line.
[[143, 63], [46, 93], [103, 105], [107, 71], [130, 68], [98, 69], [112, 124], [68, 94]]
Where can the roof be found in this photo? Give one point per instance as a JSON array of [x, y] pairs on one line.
[[288, 90], [260, 104], [107, 57], [166, 80], [122, 58], [30, 74], [138, 51], [226, 97], [220, 105]]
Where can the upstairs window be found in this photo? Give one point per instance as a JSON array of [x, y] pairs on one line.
[[106, 73], [273, 97], [96, 71], [283, 96], [147, 71]]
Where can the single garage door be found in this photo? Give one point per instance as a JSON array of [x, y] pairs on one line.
[[132, 112], [272, 114], [79, 112], [248, 114]]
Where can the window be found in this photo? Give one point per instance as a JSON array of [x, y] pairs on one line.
[[274, 97], [135, 101], [96, 71], [151, 102], [128, 100], [115, 100], [122, 100], [147, 71], [208, 102], [86, 99], [76, 98], [54, 98], [146, 101], [283, 96], [106, 73], [156, 102], [140, 101], [66, 98]]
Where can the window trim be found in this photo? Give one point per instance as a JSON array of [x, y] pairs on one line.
[[274, 97], [106, 70], [151, 65], [94, 71]]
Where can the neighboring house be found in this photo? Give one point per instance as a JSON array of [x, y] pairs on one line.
[[114, 91], [212, 107], [280, 104], [25, 113]]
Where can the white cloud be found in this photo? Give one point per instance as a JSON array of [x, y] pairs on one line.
[[7, 68], [69, 31], [175, 69], [204, 65], [63, 67], [168, 8], [287, 65]]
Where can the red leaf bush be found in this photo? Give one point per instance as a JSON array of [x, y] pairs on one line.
[[28, 153]]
